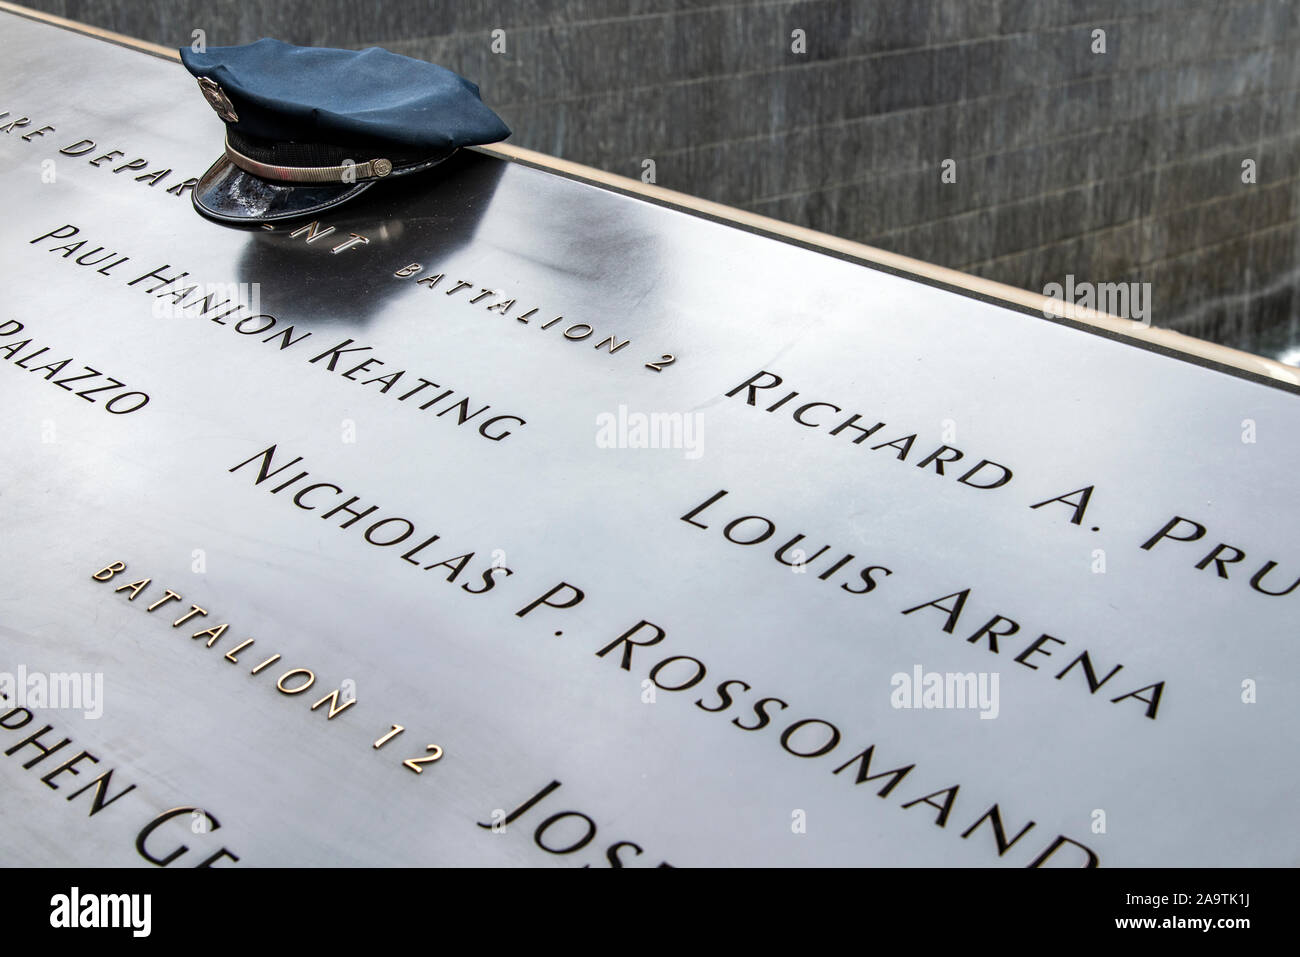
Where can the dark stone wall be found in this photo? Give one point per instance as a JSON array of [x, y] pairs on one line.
[[1122, 166]]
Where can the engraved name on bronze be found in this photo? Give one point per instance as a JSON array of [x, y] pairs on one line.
[[39, 746]]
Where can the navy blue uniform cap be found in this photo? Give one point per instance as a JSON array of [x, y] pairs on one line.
[[308, 128]]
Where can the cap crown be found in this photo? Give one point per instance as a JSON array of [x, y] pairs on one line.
[[364, 98]]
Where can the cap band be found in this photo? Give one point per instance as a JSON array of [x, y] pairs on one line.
[[348, 172]]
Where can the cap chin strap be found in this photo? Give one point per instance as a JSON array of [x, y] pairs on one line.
[[347, 173]]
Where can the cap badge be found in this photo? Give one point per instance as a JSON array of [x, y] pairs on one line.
[[218, 100]]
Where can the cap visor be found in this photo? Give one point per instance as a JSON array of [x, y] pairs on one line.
[[228, 194]]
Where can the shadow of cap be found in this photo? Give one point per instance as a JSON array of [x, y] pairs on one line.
[[338, 268]]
